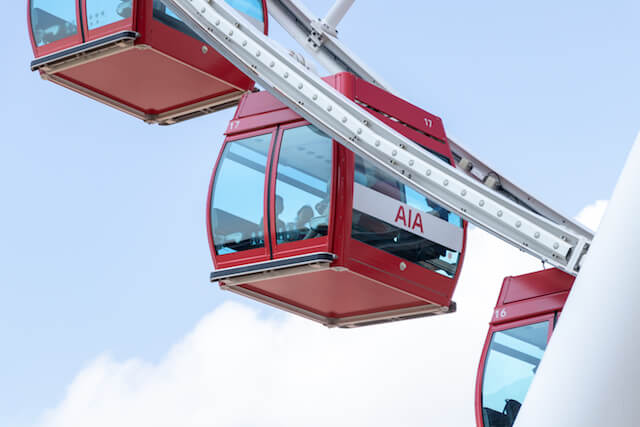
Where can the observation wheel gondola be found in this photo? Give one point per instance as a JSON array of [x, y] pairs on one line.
[[301, 223], [136, 56]]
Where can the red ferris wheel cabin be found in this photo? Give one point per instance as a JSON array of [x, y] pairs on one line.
[[136, 56], [527, 311], [299, 222]]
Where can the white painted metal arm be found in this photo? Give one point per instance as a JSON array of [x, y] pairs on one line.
[[253, 53], [336, 13], [320, 41], [493, 179]]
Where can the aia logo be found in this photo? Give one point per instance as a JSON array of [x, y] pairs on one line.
[[413, 221]]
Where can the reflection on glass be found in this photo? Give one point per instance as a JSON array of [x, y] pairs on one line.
[[303, 185], [397, 241], [512, 361], [105, 12], [251, 8], [53, 20], [238, 196], [168, 17]]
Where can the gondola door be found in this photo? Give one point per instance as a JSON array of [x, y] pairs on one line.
[[238, 215], [301, 191], [54, 25], [101, 18]]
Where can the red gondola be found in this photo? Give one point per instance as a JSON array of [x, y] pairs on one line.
[[136, 56], [301, 223], [525, 315]]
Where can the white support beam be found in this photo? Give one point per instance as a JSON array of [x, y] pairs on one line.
[[332, 54], [324, 46], [258, 57], [336, 13], [589, 374]]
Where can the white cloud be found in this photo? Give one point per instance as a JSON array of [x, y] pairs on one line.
[[236, 369], [592, 214]]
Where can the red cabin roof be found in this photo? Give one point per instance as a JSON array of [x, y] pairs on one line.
[[532, 294], [136, 56], [300, 222]]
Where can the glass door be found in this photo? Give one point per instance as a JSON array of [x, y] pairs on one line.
[[106, 17], [301, 183], [55, 25], [238, 217], [511, 361]]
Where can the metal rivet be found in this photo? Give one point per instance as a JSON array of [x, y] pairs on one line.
[[286, 75], [244, 43], [377, 143], [411, 162], [329, 108], [205, 49], [536, 235], [403, 266], [359, 131], [344, 120], [518, 224], [231, 32], [218, 22], [258, 53], [300, 86], [394, 152], [499, 213], [428, 172], [481, 203], [272, 64], [463, 193], [556, 245], [446, 182], [203, 10], [314, 97]]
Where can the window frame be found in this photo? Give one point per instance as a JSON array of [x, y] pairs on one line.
[[300, 247], [550, 317], [251, 255], [384, 266], [108, 29], [57, 45]]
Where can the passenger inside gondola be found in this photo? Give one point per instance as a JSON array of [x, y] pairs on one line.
[[389, 238]]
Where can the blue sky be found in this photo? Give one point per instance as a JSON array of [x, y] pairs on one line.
[[103, 246]]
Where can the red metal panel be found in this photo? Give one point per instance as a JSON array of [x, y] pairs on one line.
[[415, 136], [401, 109], [190, 52], [536, 284], [261, 102], [528, 308], [334, 293], [250, 123], [146, 80]]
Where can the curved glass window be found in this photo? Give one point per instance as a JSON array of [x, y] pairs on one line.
[[251, 8], [512, 360], [303, 184], [168, 17], [105, 12], [415, 220], [53, 20], [238, 196]]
